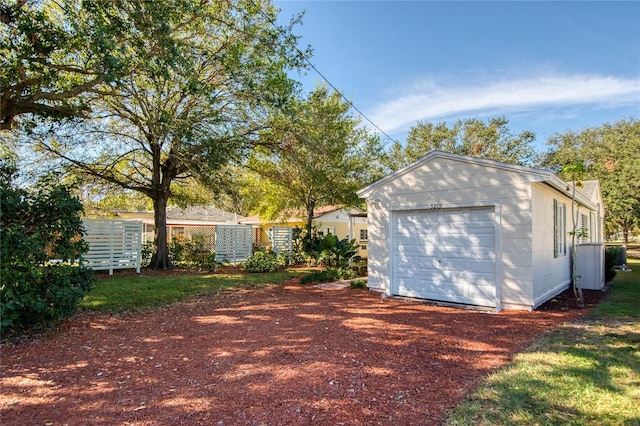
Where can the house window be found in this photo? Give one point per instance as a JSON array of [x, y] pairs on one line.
[[559, 229], [364, 235], [584, 229], [328, 230]]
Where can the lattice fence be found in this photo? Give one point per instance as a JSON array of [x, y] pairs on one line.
[[205, 236], [234, 243], [113, 244], [282, 240]]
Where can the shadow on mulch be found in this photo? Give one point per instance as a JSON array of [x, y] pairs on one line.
[[566, 300]]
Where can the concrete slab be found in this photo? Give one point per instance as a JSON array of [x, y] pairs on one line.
[[336, 285]]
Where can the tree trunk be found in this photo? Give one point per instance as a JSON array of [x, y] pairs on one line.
[[625, 235], [160, 259], [575, 278], [310, 210]]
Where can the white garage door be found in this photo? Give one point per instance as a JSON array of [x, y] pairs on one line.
[[446, 255]]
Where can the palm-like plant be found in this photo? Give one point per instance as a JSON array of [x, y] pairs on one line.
[[341, 251]]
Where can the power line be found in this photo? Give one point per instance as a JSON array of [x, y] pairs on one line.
[[313, 67]]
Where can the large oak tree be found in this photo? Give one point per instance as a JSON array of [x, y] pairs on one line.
[[202, 78]]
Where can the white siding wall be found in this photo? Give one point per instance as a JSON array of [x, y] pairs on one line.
[[378, 262], [516, 239], [454, 184], [551, 275]]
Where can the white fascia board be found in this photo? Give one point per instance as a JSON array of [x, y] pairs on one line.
[[531, 174], [364, 192]]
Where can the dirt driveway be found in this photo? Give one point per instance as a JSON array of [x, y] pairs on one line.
[[282, 355]]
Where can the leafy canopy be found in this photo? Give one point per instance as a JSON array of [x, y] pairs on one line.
[[491, 140], [316, 154], [611, 154], [55, 57], [202, 77]]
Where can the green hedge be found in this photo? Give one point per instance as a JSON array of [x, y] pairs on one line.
[[41, 280]]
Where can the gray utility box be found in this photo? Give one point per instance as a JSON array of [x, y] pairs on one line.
[[590, 265]]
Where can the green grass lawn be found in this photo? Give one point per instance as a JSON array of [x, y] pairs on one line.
[[587, 373], [126, 293]]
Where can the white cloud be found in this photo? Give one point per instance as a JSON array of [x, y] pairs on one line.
[[430, 100]]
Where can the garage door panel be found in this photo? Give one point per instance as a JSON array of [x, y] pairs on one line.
[[404, 261], [446, 255], [453, 242], [404, 241], [482, 240], [483, 295], [480, 215], [409, 249], [451, 264], [453, 216], [406, 274], [425, 288], [427, 237], [481, 266], [427, 251], [426, 263]]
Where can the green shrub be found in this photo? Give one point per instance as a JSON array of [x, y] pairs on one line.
[[339, 252], [146, 252], [328, 275], [360, 283], [186, 253], [42, 279], [305, 247], [610, 257], [262, 261]]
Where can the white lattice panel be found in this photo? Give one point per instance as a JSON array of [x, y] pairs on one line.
[[113, 244]]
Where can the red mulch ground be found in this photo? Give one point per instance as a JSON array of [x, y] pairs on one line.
[[283, 355]]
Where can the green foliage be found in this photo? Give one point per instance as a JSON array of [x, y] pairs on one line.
[[41, 280], [316, 154], [306, 247], [201, 80], [622, 302], [491, 140], [610, 257], [325, 249], [339, 252], [262, 261], [328, 275], [609, 154], [359, 284], [54, 56], [183, 252]]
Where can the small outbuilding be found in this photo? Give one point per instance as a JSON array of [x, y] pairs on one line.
[[472, 231]]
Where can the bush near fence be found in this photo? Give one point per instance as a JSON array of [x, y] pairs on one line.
[[36, 227]]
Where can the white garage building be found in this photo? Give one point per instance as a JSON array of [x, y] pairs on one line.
[[472, 231]]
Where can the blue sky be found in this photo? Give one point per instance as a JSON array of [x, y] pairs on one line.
[[546, 66]]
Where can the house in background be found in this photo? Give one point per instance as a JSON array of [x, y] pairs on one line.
[[342, 222], [465, 230], [184, 223]]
